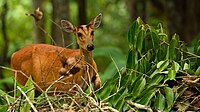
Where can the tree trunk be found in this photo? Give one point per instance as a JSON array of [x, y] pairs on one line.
[[82, 15], [39, 35], [136, 8], [60, 11], [4, 49], [183, 18]]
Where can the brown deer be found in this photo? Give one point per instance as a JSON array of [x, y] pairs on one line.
[[47, 63]]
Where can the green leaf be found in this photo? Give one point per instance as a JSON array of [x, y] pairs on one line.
[[197, 73], [132, 59], [172, 74], [169, 96], [139, 20], [186, 66], [138, 86], [132, 34], [175, 66], [162, 65], [156, 79], [6, 96], [29, 88], [160, 102], [140, 39], [172, 46], [155, 40], [147, 97]]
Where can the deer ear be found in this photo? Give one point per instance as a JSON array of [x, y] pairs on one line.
[[67, 26], [96, 21]]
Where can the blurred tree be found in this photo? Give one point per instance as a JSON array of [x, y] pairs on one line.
[[4, 49], [60, 11], [183, 18], [82, 15], [39, 35], [136, 8]]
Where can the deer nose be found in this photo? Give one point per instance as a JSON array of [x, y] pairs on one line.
[[90, 47]]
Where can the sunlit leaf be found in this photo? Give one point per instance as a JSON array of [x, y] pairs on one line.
[[147, 97], [197, 73], [138, 86], [162, 65], [159, 102], [156, 79], [175, 66], [169, 96], [172, 74], [186, 66]]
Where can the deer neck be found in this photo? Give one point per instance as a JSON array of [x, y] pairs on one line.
[[87, 56]]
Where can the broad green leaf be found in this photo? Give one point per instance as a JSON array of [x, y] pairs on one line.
[[162, 52], [132, 59], [197, 73], [169, 96], [147, 97], [162, 65], [138, 86], [132, 33], [119, 96], [160, 102], [155, 40], [186, 66], [140, 39], [149, 88], [148, 44], [175, 66], [172, 46], [156, 79], [172, 74], [120, 101]]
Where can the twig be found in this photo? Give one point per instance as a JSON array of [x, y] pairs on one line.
[[139, 106], [32, 106], [46, 33]]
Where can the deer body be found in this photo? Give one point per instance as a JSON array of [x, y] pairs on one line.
[[46, 63]]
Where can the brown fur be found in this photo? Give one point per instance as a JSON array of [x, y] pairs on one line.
[[47, 63]]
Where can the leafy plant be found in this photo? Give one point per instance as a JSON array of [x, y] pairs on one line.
[[153, 63], [9, 103]]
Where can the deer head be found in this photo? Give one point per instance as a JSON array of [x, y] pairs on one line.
[[85, 33]]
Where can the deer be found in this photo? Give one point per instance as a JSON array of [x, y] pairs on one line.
[[47, 63]]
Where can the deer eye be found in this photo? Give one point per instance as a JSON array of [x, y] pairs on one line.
[[79, 34], [92, 33]]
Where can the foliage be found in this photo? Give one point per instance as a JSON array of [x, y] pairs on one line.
[[24, 100], [17, 103], [153, 64]]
